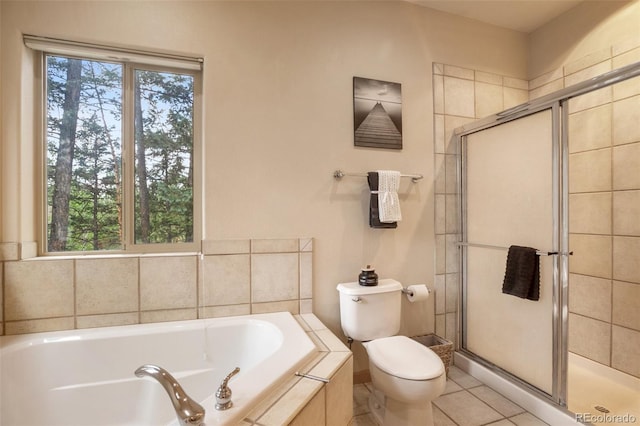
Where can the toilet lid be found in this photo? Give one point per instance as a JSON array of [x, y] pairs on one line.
[[405, 358]]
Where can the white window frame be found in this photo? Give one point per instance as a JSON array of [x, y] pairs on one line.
[[131, 60]]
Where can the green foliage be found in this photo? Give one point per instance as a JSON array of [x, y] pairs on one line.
[[95, 212], [167, 126]]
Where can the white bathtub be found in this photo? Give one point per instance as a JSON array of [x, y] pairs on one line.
[[86, 377]]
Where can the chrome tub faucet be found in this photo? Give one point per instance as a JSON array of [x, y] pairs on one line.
[[189, 412]]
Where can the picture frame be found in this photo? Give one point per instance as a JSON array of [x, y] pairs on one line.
[[377, 113]]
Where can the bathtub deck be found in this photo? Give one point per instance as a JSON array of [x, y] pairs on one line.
[[286, 404]]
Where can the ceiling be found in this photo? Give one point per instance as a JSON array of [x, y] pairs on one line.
[[520, 15]]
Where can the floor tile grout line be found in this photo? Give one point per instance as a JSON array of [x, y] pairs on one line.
[[449, 417], [503, 417], [474, 396]]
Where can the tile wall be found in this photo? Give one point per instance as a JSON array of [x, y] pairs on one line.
[[231, 277], [461, 96], [604, 206], [604, 181]]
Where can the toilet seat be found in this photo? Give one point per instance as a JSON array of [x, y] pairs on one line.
[[405, 358]]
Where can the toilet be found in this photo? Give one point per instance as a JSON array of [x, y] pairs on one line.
[[406, 375]]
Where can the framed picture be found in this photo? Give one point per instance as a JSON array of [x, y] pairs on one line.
[[377, 113]]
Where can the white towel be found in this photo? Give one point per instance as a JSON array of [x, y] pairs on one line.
[[388, 201]]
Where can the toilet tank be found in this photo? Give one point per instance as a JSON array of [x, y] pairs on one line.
[[370, 312]]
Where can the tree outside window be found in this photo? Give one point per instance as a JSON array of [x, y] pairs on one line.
[[92, 119]]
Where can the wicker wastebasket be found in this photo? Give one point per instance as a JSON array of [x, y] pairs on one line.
[[442, 347]]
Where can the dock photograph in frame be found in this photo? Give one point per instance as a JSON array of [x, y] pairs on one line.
[[377, 113]]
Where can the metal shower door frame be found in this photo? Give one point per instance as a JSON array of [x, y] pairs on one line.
[[557, 102], [558, 213]]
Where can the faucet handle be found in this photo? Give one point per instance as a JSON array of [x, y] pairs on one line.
[[229, 376], [223, 394]]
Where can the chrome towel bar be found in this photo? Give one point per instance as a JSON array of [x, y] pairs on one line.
[[339, 174], [538, 252]]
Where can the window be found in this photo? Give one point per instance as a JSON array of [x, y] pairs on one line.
[[121, 156]]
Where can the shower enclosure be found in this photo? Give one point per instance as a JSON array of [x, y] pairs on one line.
[[560, 174]]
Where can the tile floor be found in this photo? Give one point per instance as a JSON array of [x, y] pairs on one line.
[[465, 402]]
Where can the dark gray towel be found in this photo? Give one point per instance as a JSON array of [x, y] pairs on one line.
[[374, 212], [522, 275]]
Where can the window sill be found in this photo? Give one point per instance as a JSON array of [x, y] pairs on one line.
[[110, 255]]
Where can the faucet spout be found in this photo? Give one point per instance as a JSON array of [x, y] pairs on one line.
[[189, 412]]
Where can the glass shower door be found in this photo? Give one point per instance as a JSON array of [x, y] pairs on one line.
[[509, 173]]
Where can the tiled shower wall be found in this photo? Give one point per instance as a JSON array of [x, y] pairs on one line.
[[604, 211], [230, 277], [604, 289], [460, 96]]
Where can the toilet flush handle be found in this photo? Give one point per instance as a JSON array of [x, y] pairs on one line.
[[356, 299]]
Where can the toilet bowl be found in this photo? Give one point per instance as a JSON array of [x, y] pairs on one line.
[[407, 377]]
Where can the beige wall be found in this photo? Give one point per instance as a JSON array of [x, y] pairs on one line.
[[277, 119], [589, 28]]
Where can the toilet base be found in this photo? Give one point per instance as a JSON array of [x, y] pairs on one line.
[[388, 412]]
